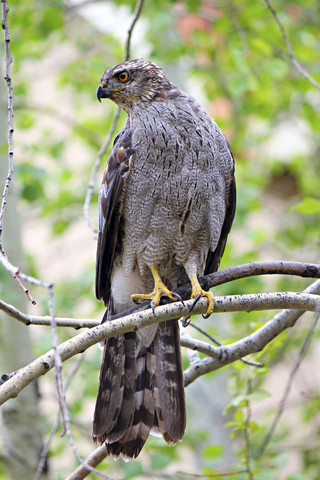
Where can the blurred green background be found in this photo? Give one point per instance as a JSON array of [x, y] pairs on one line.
[[232, 57]]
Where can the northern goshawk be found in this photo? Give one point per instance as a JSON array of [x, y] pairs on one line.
[[166, 206]]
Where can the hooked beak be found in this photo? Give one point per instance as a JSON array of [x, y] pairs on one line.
[[103, 93]]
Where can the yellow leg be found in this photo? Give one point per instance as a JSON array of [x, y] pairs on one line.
[[197, 292], [160, 290]]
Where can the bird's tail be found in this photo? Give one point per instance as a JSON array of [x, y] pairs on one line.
[[140, 391]]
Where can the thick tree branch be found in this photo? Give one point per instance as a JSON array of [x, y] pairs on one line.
[[258, 340], [226, 354], [207, 282]]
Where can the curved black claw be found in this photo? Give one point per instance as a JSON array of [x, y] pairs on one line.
[[178, 297], [185, 321], [206, 315], [153, 306], [195, 301]]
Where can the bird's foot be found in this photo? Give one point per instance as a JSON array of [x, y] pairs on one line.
[[160, 290], [197, 293]]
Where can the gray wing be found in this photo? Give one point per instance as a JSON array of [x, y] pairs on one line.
[[213, 258], [110, 211]]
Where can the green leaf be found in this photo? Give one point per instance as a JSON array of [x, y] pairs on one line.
[[308, 206], [213, 451]]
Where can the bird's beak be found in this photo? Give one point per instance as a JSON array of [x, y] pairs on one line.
[[103, 92]]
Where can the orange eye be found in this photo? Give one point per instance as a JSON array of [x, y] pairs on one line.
[[123, 76]]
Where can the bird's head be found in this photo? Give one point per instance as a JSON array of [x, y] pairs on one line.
[[132, 82]]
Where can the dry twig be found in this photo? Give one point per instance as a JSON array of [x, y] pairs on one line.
[[293, 59], [288, 386]]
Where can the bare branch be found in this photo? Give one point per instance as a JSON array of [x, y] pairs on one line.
[[8, 61], [93, 460], [247, 435], [214, 340], [229, 303], [218, 278], [287, 389], [95, 170], [213, 475], [136, 15], [311, 270], [46, 447], [15, 272], [293, 59], [226, 354], [253, 343]]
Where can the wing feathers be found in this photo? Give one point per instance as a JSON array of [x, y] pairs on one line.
[[110, 211]]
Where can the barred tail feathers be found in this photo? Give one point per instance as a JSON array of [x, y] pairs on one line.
[[148, 390]]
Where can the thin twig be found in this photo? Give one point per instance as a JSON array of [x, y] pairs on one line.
[[136, 15], [95, 170], [8, 61], [212, 475], [246, 434], [62, 393], [16, 274], [55, 426], [287, 389], [214, 340], [193, 353], [58, 363], [293, 59]]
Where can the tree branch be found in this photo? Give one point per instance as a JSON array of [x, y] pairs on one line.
[[8, 61], [93, 460], [226, 354], [95, 170], [136, 15], [288, 386], [207, 282], [293, 59], [258, 340]]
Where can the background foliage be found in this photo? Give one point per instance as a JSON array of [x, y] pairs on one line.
[[232, 57]]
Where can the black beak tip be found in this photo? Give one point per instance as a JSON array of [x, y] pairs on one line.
[[103, 93], [99, 93]]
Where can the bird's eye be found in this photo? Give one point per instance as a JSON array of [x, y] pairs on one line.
[[123, 76]]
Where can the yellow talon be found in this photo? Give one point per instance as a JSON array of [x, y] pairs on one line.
[[160, 290], [198, 291]]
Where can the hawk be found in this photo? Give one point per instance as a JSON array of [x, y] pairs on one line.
[[166, 206]]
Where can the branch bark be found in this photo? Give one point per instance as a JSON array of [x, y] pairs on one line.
[[207, 282], [16, 382]]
